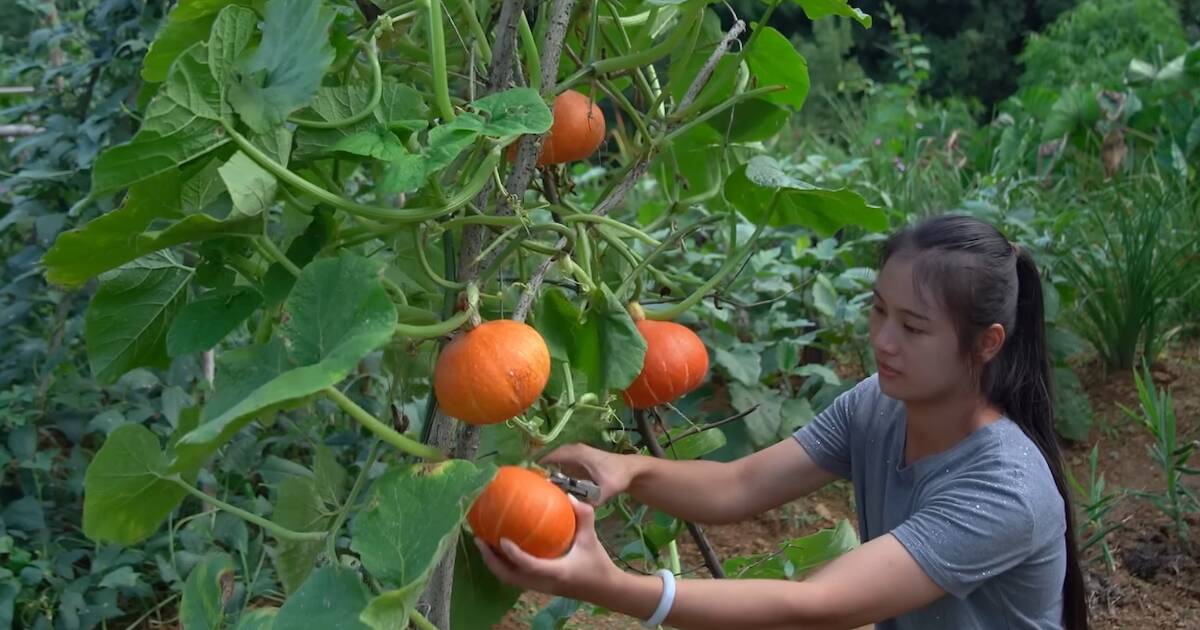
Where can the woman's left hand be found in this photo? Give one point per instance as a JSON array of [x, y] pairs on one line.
[[579, 574]]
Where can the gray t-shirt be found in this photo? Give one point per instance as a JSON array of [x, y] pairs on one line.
[[983, 518]]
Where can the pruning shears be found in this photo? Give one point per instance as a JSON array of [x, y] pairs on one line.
[[583, 489]]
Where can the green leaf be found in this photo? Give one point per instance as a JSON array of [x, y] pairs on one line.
[[182, 122], [809, 552], [285, 71], [514, 112], [208, 587], [448, 140], [816, 369], [298, 508], [399, 545], [278, 281], [693, 446], [605, 345], [751, 187], [337, 313], [188, 23], [121, 236], [330, 476], [127, 320], [203, 323], [231, 34], [403, 175], [258, 619], [250, 186], [330, 599], [751, 121], [400, 107], [742, 363], [479, 599], [817, 9], [379, 144], [774, 61], [125, 497], [1076, 110], [387, 611]]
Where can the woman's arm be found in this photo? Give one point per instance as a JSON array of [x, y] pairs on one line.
[[715, 492], [874, 582], [696, 490]]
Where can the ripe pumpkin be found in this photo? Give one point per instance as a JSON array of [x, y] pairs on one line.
[[577, 131], [676, 363], [524, 507], [492, 372]]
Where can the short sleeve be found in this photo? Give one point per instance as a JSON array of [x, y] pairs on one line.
[[978, 527], [827, 437]]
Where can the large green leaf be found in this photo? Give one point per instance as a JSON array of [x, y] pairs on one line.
[[750, 121], [1076, 110], [400, 545], [817, 9], [605, 344], [182, 122], [330, 599], [479, 599], [250, 186], [514, 112], [693, 446], [203, 323], [400, 107], [337, 313], [125, 494], [121, 236], [285, 71], [231, 33], [774, 61], [189, 22], [257, 619], [298, 508], [751, 187], [207, 588], [128, 318]]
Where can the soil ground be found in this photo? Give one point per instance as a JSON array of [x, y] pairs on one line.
[[1154, 582]]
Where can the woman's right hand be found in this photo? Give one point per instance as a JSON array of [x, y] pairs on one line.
[[611, 471]]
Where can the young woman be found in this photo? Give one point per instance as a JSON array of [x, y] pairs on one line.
[[958, 480]]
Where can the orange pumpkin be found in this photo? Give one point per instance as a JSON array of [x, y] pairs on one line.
[[676, 363], [524, 507], [577, 131], [492, 372]]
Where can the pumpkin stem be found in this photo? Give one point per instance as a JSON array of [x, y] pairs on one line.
[[636, 312]]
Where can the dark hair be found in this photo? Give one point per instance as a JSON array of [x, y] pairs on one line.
[[981, 279]]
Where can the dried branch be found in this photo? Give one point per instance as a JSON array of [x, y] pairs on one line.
[[710, 557], [711, 65]]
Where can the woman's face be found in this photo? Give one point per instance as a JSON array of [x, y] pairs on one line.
[[916, 347]]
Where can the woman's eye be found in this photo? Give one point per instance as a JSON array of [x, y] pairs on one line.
[[877, 308], [915, 331]]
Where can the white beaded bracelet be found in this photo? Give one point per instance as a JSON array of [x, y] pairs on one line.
[[664, 604]]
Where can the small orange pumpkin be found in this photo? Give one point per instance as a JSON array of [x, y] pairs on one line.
[[524, 507], [577, 131], [492, 372], [676, 363]]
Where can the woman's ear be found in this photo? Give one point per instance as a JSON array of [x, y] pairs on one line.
[[990, 342]]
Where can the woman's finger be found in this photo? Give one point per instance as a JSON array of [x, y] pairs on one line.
[[525, 563], [498, 565], [585, 515]]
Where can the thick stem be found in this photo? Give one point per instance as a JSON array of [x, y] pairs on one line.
[[384, 432], [433, 331], [533, 65], [276, 530], [706, 550], [382, 213], [372, 103], [481, 40], [614, 224], [732, 261], [421, 622], [650, 55]]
